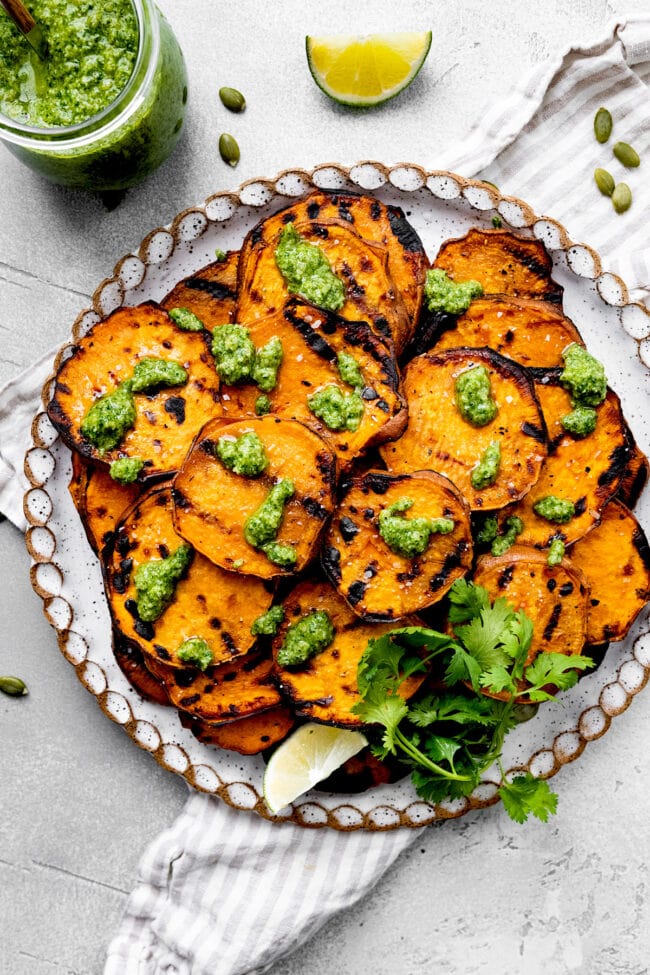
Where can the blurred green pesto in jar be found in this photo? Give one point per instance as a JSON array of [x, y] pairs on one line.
[[107, 105]]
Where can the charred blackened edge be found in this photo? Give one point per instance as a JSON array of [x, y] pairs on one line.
[[404, 231], [130, 660], [430, 327], [634, 479]]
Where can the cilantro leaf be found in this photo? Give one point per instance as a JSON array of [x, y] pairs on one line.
[[441, 749], [463, 666], [451, 707], [482, 637], [497, 679], [383, 709], [467, 600], [517, 639], [526, 795], [560, 670], [387, 660]]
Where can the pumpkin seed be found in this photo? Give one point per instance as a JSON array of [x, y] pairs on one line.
[[602, 125], [228, 149], [626, 155], [604, 181], [622, 197], [13, 686], [232, 99]]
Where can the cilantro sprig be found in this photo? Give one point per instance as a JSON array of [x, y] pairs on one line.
[[450, 738]]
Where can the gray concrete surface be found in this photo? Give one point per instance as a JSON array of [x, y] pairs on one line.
[[78, 801]]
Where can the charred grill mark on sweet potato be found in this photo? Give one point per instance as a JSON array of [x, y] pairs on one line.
[[438, 438], [106, 356], [634, 477], [99, 499], [326, 688], [531, 332], [586, 472], [206, 592], [131, 662], [223, 693], [504, 263], [307, 353], [217, 501], [210, 292], [615, 559], [247, 736], [397, 586]]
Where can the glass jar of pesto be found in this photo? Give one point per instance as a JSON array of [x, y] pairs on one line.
[[106, 108]]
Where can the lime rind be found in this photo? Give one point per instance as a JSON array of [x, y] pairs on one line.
[[307, 757], [407, 49]]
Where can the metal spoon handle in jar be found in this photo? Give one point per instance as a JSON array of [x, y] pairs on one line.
[[26, 25]]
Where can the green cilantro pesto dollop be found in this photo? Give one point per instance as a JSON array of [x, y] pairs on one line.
[[583, 376], [337, 410], [234, 353], [195, 651], [514, 527], [262, 527], [443, 294], [156, 581], [151, 373], [267, 362], [487, 532], [280, 554], [186, 320], [307, 271], [245, 455], [92, 49], [474, 396], [557, 510], [262, 405], [125, 470], [110, 418], [303, 640], [580, 422], [268, 623], [349, 371], [487, 470], [555, 552], [409, 536]]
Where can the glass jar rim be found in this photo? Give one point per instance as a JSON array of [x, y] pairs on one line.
[[115, 114]]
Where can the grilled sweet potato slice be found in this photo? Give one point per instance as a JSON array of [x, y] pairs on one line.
[[378, 225], [166, 421], [634, 477], [224, 693], [502, 262], [212, 503], [248, 736], [587, 472], [131, 662], [377, 583], [99, 499], [208, 602], [553, 597], [438, 438], [532, 333], [370, 294], [325, 688], [210, 293], [311, 340], [615, 559]]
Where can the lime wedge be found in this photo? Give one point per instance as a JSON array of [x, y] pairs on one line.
[[363, 71], [308, 756]]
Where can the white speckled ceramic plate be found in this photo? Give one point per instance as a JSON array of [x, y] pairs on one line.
[[66, 573]]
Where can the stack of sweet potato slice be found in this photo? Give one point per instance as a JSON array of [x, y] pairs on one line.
[[410, 442]]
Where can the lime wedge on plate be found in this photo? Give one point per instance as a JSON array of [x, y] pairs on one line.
[[363, 71], [308, 756]]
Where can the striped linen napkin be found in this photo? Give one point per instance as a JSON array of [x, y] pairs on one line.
[[218, 875]]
